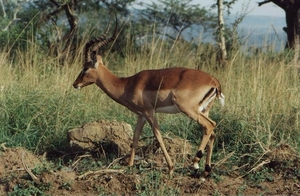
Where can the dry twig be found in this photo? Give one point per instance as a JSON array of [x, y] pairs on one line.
[[101, 171], [256, 167], [34, 178], [224, 159], [80, 158], [116, 160]]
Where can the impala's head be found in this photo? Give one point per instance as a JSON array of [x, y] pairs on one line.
[[89, 75]]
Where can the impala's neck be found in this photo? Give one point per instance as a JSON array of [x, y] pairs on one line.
[[112, 85]]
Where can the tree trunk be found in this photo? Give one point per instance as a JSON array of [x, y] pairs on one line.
[[222, 42], [292, 27], [297, 41], [291, 8], [65, 46]]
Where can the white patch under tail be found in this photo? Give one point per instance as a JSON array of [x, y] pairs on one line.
[[207, 101], [211, 96]]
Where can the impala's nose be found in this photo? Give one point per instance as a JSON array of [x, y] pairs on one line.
[[76, 86]]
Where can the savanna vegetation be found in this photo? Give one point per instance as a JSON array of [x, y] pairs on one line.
[[38, 104]]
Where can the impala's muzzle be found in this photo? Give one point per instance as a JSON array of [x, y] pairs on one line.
[[77, 86]]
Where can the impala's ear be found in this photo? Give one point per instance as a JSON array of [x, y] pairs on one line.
[[99, 59]]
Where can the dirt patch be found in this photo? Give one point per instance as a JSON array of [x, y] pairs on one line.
[[90, 174], [13, 159]]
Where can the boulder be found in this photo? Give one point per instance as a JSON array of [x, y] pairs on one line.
[[111, 136]]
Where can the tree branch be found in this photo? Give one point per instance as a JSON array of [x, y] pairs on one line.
[[55, 3], [14, 19], [51, 14], [3, 9], [69, 9], [264, 2], [284, 4]]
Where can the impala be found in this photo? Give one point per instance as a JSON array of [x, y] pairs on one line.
[[170, 90]]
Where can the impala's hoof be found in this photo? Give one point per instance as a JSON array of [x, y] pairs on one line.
[[207, 170]]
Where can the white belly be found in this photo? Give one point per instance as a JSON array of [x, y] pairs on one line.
[[168, 109]]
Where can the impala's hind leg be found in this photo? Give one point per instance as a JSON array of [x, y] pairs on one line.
[[207, 140], [200, 114], [209, 148], [210, 144]]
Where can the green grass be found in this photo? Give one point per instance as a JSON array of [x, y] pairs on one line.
[[38, 104]]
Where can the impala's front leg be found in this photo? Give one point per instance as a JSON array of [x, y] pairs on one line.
[[153, 123], [137, 132]]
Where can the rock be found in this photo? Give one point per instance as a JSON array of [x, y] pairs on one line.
[[113, 137]]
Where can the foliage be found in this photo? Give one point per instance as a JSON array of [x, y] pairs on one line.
[[152, 181], [232, 38], [29, 189], [17, 26], [179, 16], [56, 26]]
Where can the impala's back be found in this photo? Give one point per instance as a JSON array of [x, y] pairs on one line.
[[160, 87]]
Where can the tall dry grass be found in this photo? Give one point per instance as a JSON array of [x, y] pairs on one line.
[[38, 104]]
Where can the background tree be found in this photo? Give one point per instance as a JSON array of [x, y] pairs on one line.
[[292, 16], [91, 14], [58, 25], [226, 36], [15, 18], [292, 13], [178, 16], [61, 26]]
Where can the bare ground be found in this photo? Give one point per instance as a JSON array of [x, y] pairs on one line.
[[103, 170]]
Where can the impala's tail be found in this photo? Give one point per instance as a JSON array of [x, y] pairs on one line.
[[221, 97]]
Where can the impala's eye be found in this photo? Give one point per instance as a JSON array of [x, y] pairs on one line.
[[85, 69]]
